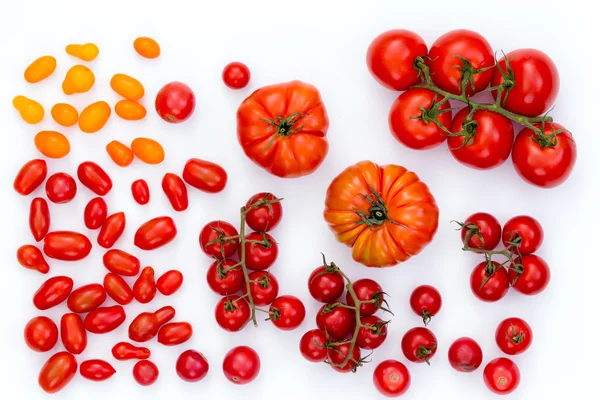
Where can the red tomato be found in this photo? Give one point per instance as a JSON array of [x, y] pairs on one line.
[[426, 302], [61, 188], [96, 370], [204, 175], [263, 287], [501, 376], [127, 351], [236, 75], [337, 358], [224, 277], [325, 283], [547, 161], [176, 192], [261, 251], [57, 372], [72, 333], [41, 334], [31, 175], [118, 289], [140, 191], [262, 213], [145, 372], [514, 336], [372, 334], [283, 127], [169, 282], [287, 312], [413, 127], [104, 319], [53, 291], [31, 257], [367, 289], [485, 141], [146, 325], [419, 345], [175, 333], [39, 218], [219, 239], [95, 213], [241, 365], [120, 262], [232, 313], [155, 233], [175, 102], [391, 58], [144, 288], [337, 321], [465, 355], [92, 176], [481, 231], [312, 345], [523, 232], [457, 58], [111, 230], [489, 284], [532, 80], [534, 276], [86, 298], [391, 378], [191, 366], [66, 245]]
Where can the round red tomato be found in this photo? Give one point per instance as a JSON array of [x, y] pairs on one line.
[[224, 277], [465, 355], [236, 75], [263, 287], [514, 336], [287, 312], [232, 313], [241, 365], [337, 321], [366, 290], [175, 102], [481, 231], [145, 372], [61, 188], [419, 345], [312, 345], [325, 283], [523, 232], [41, 334], [501, 376], [204, 175], [191, 366], [337, 357], [219, 239], [261, 251], [391, 378], [533, 275], [489, 283], [426, 302], [262, 213], [372, 334]]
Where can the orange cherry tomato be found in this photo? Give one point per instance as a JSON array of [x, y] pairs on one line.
[[65, 114], [86, 52], [119, 153], [146, 47], [57, 372], [52, 144], [148, 150], [130, 110], [30, 110], [94, 117], [40, 69], [127, 86], [79, 79]]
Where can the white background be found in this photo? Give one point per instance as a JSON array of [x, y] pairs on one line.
[[324, 43]]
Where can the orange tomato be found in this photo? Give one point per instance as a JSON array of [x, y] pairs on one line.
[[119, 153], [130, 110], [126, 86], [79, 79], [30, 110], [148, 150], [94, 117], [64, 114], [52, 144], [40, 69], [146, 47], [86, 52], [386, 214]]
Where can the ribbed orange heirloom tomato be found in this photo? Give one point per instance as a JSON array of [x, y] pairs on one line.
[[385, 213], [94, 117], [283, 128], [52, 144], [65, 114], [119, 153], [146, 47]]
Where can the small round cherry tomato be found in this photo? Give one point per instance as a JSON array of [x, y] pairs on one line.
[[337, 354], [95, 213], [94, 117], [204, 175], [86, 298], [41, 334], [490, 282], [140, 191], [111, 230], [241, 365], [52, 292], [176, 191], [263, 212], [391, 378], [92, 176], [31, 175], [367, 289], [127, 351], [191, 366], [236, 75], [117, 289], [524, 233], [336, 320], [104, 319], [146, 47], [175, 102], [145, 372], [224, 277], [40, 69], [127, 86], [232, 313], [31, 257], [175, 333], [312, 345], [57, 372], [144, 288], [72, 333], [96, 370], [121, 263], [119, 153], [287, 312], [513, 336], [481, 231], [426, 302], [147, 150], [465, 355], [169, 282], [66, 245], [501, 376], [325, 283], [219, 239], [52, 144], [130, 110], [155, 233], [263, 287], [372, 334], [39, 218], [261, 251], [64, 114], [532, 276], [61, 188], [419, 345]]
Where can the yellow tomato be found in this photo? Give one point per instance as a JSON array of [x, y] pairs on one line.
[[86, 52], [146, 47], [52, 144], [94, 117], [119, 153], [130, 110], [40, 69], [64, 114], [126, 86], [79, 79], [31, 111], [148, 150]]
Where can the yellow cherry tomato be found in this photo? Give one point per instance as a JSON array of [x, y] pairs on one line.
[[52, 144], [64, 114], [146, 47], [130, 110], [94, 117], [31, 111], [119, 153], [126, 86], [40, 69], [148, 150], [86, 52], [79, 79]]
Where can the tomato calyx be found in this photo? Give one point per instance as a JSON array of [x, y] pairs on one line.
[[423, 353], [378, 327], [471, 230], [285, 125], [327, 269], [222, 272], [378, 212], [516, 338], [467, 73], [431, 114], [544, 140]]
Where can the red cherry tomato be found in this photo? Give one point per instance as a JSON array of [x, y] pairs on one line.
[[95, 213], [533, 278], [127, 351], [337, 321], [224, 277], [232, 313], [523, 232], [31, 175], [372, 334], [41, 334], [61, 188], [155, 233], [219, 239], [175, 333], [146, 325], [263, 287], [39, 218], [481, 231], [52, 292], [175, 102], [419, 345], [261, 214], [367, 289], [144, 288], [140, 191], [118, 289], [66, 245], [96, 370], [92, 176], [488, 284], [236, 75], [501, 376], [145, 372], [391, 378], [426, 302], [104, 319], [287, 312], [325, 283], [191, 366], [261, 251], [337, 356], [241, 365], [31, 257], [111, 230], [514, 336], [86, 298], [204, 175], [120, 262], [312, 345], [465, 355], [72, 333], [169, 282], [57, 372], [176, 191]]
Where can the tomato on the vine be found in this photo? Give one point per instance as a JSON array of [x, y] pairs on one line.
[[419, 345], [261, 251], [236, 75], [367, 290], [489, 283], [391, 378], [337, 355], [501, 375], [465, 355], [241, 365], [372, 334], [532, 277], [264, 287], [481, 231], [513, 336], [224, 277], [312, 345], [426, 302], [175, 102], [263, 217], [523, 232], [232, 313], [219, 239], [326, 283], [336, 320], [287, 312]]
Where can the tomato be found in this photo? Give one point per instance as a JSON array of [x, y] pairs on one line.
[[513, 336], [287, 312], [523, 232], [169, 282], [127, 351], [236, 75], [283, 127], [532, 82], [261, 251], [52, 144], [31, 257], [95, 213], [146, 47], [117, 289], [481, 231], [391, 58], [79, 79], [501, 376], [31, 175], [145, 372], [72, 333], [548, 161], [144, 288], [96, 370], [241, 365], [64, 114], [219, 239], [61, 188], [94, 117], [489, 284], [146, 325], [224, 277], [175, 333], [419, 345], [86, 298], [120, 262], [52, 292], [426, 302], [40, 69], [57, 372], [372, 334], [104, 319], [337, 321], [312, 345], [232, 313], [485, 141], [204, 175], [147, 150], [325, 283], [386, 214], [111, 230], [30, 110], [66, 245], [92, 176], [127, 86], [262, 214], [176, 192], [414, 127], [263, 287], [465, 355], [140, 191], [175, 102], [191, 366], [391, 378], [155, 233], [336, 356], [41, 334], [366, 290], [119, 153], [532, 278], [87, 52]]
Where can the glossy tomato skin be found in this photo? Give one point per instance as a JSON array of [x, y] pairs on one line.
[[127, 351], [236, 75], [536, 82], [140, 191], [501, 376], [66, 245], [176, 191], [232, 313], [72, 333], [525, 230], [175, 102], [336, 321], [86, 298], [544, 167], [146, 325], [41, 334], [118, 289], [191, 366], [326, 284], [57, 372], [144, 288], [204, 175], [366, 289], [96, 370], [263, 218], [263, 287], [92, 176], [488, 228], [489, 287], [372, 337], [121, 263], [337, 355], [95, 213], [312, 345], [259, 256], [465, 355], [223, 279], [419, 345], [241, 365], [534, 277], [287, 312], [39, 218], [286, 138], [212, 232], [52, 292], [391, 57], [111, 230], [169, 282], [145, 372], [31, 175], [61, 188], [104, 319], [155, 233], [31, 257], [391, 378], [513, 336], [426, 302], [175, 333]]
